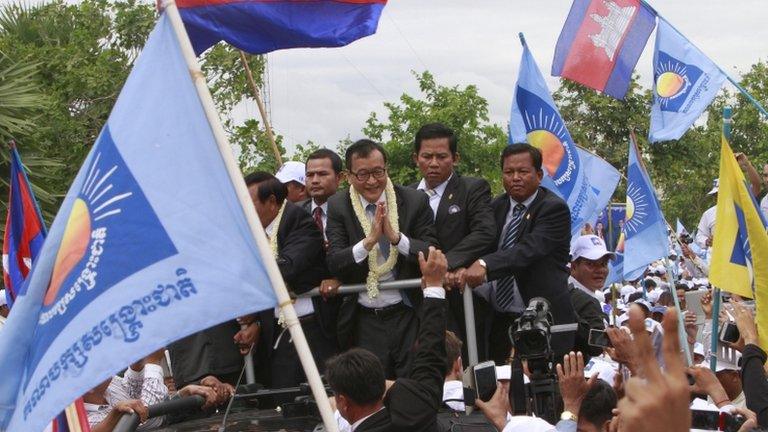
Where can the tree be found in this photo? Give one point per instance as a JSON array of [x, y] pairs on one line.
[[462, 109]]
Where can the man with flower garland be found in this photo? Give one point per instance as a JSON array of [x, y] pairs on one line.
[[375, 232], [297, 245]]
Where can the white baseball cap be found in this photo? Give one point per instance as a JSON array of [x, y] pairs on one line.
[[291, 171], [590, 247], [715, 187]]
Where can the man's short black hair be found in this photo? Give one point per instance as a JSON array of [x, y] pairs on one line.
[[268, 185], [435, 130], [635, 296], [598, 404], [363, 148], [324, 153], [358, 375], [523, 148]]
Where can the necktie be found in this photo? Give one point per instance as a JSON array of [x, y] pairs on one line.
[[383, 242], [430, 192], [505, 287], [317, 214]]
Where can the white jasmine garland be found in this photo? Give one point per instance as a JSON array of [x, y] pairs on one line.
[[374, 270]]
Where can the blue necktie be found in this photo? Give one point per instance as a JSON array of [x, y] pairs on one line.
[[383, 241], [505, 287]]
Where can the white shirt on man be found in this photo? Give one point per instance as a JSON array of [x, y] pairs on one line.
[[706, 226], [385, 297], [436, 195]]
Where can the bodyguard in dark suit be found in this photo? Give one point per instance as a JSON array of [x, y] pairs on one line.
[[411, 403], [533, 228], [362, 223], [463, 218], [299, 257]]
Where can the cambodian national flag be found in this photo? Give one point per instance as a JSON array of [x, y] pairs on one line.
[[684, 83], [535, 120], [261, 26], [24, 231], [601, 42], [645, 228]]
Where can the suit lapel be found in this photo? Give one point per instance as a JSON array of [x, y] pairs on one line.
[[356, 229], [449, 197], [530, 211], [501, 214]]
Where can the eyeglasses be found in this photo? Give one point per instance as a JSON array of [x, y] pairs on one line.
[[364, 175]]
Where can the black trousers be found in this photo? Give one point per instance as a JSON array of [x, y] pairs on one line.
[[499, 344], [457, 324], [390, 334], [286, 366]]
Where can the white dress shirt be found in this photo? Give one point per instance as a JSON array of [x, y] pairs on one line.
[[434, 199], [706, 226], [385, 297], [764, 206]]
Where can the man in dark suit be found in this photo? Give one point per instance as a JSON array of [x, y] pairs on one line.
[[534, 233], [299, 256], [410, 404], [589, 269], [361, 224], [462, 214]]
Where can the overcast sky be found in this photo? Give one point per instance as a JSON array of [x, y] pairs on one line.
[[324, 95]]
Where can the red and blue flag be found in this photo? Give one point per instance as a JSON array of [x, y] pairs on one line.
[[261, 26], [601, 42], [24, 231]]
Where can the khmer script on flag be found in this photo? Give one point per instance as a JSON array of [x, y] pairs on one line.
[[684, 83], [601, 42], [261, 26], [150, 244], [534, 119]]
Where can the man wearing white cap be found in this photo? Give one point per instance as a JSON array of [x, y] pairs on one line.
[[291, 174], [707, 221], [589, 269]]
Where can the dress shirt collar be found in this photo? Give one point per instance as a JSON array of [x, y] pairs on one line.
[[526, 203], [382, 198], [581, 286], [359, 422], [270, 228], [439, 190], [324, 206]]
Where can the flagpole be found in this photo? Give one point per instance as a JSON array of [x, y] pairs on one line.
[[276, 279], [716, 297], [743, 91], [262, 110]]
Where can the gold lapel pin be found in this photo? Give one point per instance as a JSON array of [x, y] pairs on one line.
[[450, 196], [527, 215]]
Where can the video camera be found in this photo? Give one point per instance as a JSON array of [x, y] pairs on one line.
[[531, 336]]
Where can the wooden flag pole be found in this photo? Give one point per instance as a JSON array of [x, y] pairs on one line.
[[262, 110], [275, 278]]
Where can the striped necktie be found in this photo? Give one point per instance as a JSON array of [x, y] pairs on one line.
[[505, 287]]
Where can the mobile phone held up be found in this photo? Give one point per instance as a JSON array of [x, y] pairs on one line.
[[598, 338], [485, 380]]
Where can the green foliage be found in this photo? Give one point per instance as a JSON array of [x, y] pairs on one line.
[[462, 109]]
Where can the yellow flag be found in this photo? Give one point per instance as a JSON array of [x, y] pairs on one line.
[[740, 243]]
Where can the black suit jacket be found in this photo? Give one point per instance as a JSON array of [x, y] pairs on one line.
[[326, 311], [465, 225], [300, 260], [590, 316], [344, 231], [539, 258], [411, 404]]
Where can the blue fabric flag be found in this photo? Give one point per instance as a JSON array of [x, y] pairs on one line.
[[680, 228], [603, 178], [645, 229], [684, 83], [535, 120], [150, 245]]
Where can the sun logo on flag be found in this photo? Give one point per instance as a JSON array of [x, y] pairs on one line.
[[97, 200], [637, 209], [672, 81]]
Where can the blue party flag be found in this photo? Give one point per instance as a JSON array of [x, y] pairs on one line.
[[535, 120], [150, 244], [645, 230], [684, 83]]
